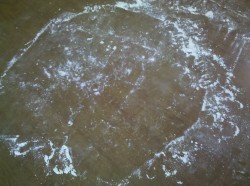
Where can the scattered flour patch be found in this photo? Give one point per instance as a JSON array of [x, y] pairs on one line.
[[128, 71], [138, 4], [62, 156], [137, 173], [168, 173], [186, 71], [209, 15], [205, 102], [160, 154], [150, 163], [237, 131], [46, 73], [151, 178], [70, 122], [48, 158], [95, 8], [97, 93], [179, 182], [192, 10], [184, 157], [62, 73], [67, 163], [230, 93]]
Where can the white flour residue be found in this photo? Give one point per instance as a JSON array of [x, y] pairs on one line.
[[210, 14], [138, 5], [72, 115], [67, 166], [167, 172], [217, 100], [183, 156], [61, 157], [47, 158], [20, 148], [179, 182]]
